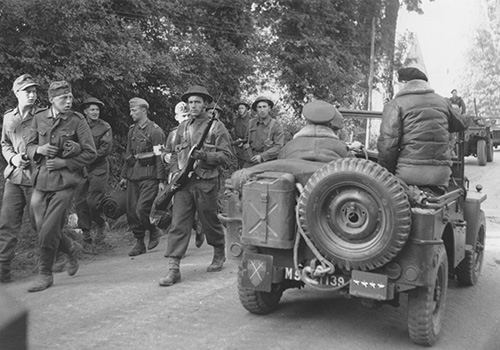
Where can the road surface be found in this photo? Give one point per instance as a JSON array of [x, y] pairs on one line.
[[114, 302]]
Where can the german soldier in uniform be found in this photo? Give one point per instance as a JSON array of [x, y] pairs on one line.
[[143, 174], [200, 193], [17, 190], [91, 191], [60, 143], [265, 134]]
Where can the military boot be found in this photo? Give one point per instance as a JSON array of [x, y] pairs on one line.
[[154, 238], [173, 275], [44, 279], [218, 260], [139, 248], [73, 265], [5, 276], [60, 262]]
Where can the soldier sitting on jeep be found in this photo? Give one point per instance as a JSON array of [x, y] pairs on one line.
[[318, 140], [415, 132]]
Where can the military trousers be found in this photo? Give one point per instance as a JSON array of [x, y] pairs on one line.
[[140, 197], [15, 198], [50, 210], [200, 196], [87, 204]]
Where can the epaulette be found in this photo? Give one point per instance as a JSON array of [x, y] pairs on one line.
[[9, 110]]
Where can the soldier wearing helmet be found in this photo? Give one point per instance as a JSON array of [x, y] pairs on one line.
[[415, 132], [265, 134], [90, 192]]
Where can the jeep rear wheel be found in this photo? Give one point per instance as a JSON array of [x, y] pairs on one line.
[[356, 213], [258, 302], [426, 305], [481, 152], [469, 269]]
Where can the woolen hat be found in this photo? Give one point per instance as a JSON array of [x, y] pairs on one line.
[[58, 88], [321, 112], [92, 101], [262, 99], [412, 71], [23, 82], [138, 102], [197, 90]]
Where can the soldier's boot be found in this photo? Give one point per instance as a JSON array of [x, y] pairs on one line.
[[5, 276], [199, 239], [218, 259], [60, 262], [154, 238], [99, 235], [139, 248], [173, 274], [44, 279], [87, 245], [73, 265]]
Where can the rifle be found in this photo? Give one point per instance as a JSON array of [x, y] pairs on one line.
[[179, 181]]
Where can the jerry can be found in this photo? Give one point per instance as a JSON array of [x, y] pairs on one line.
[[268, 210]]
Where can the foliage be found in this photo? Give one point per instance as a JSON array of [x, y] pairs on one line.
[[481, 81]]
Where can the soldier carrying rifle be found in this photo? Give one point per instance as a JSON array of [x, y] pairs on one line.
[[199, 192]]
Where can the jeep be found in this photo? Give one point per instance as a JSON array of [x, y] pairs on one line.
[[352, 228]]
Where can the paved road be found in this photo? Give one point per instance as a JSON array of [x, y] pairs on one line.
[[114, 302]]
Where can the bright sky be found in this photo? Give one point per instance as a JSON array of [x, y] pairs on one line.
[[444, 32]]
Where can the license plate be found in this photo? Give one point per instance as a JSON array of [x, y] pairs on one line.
[[328, 280], [369, 285]]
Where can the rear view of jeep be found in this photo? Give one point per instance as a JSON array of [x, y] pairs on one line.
[[352, 228]]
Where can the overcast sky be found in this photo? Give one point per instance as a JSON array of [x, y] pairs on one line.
[[445, 32]]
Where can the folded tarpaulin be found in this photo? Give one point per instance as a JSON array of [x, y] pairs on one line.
[[114, 204]]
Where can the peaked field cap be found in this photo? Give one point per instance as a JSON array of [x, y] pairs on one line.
[[92, 101], [242, 103], [320, 112], [214, 106], [197, 90], [58, 88], [138, 102], [23, 82], [412, 71], [262, 99]]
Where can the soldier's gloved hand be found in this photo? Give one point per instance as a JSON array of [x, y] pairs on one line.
[[256, 159], [201, 155], [19, 162], [123, 184], [55, 164], [47, 150]]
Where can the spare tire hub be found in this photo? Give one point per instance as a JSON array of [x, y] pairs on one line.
[[353, 215]]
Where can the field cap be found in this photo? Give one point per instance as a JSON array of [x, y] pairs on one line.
[[138, 102], [23, 82], [58, 88]]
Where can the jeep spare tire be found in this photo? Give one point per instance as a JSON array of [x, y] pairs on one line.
[[356, 213]]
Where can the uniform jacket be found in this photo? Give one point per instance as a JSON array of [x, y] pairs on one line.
[[103, 140], [217, 146], [240, 126], [15, 133], [140, 161], [315, 143], [266, 137], [415, 128], [56, 131]]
